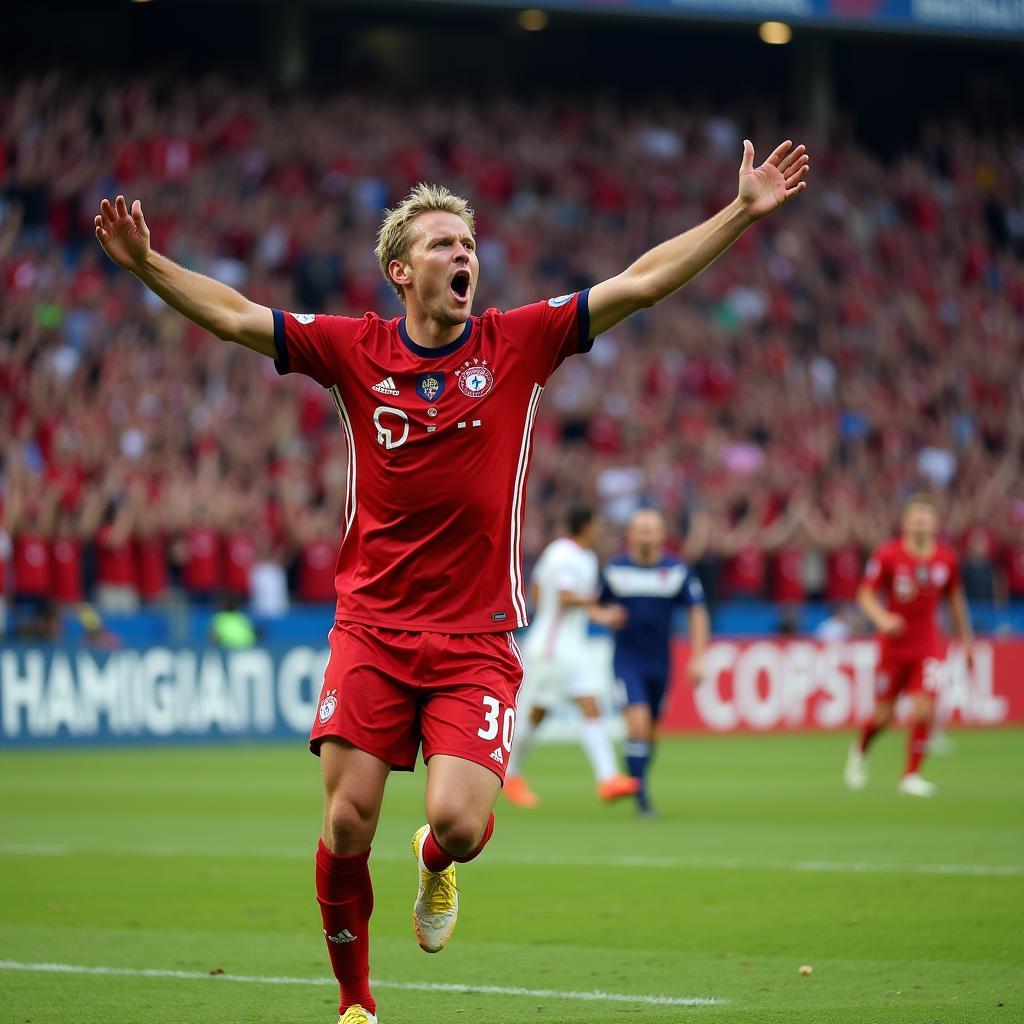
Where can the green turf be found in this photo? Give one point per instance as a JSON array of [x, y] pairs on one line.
[[199, 860]]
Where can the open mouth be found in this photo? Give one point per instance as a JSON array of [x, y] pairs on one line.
[[460, 284]]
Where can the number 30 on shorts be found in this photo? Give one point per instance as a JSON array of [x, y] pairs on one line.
[[492, 710]]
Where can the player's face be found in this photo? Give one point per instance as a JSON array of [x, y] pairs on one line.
[[443, 267], [920, 522], [646, 535]]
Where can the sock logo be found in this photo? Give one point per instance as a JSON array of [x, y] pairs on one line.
[[341, 938]]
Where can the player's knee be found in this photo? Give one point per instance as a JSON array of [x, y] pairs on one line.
[[458, 833], [351, 825]]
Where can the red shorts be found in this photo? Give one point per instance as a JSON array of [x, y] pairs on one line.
[[385, 691], [896, 675]]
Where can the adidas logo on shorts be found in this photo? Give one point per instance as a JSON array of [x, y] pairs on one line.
[[496, 755]]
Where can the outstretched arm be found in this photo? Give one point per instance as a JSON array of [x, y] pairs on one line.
[[214, 306], [667, 267]]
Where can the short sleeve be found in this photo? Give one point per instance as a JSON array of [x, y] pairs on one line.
[[876, 572], [692, 593], [312, 344], [549, 332]]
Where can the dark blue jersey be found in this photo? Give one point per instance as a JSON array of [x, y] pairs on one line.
[[652, 595]]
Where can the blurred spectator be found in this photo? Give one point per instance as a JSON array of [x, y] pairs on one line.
[[231, 628]]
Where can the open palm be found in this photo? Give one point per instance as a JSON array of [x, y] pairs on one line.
[[765, 188], [123, 234]]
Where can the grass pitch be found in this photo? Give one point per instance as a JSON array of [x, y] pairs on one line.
[[196, 865]]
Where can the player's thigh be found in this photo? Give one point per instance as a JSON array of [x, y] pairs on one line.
[[459, 791], [891, 678], [468, 710], [923, 685], [366, 699], [353, 783]]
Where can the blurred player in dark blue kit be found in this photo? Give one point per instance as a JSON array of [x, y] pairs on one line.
[[649, 586]]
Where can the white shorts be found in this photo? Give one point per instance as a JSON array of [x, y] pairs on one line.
[[550, 681]]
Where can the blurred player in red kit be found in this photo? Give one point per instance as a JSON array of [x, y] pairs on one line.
[[437, 410], [904, 582]]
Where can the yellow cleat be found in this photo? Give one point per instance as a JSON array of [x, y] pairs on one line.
[[437, 902], [357, 1015]]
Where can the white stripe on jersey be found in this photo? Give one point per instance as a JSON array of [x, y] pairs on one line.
[[350, 468], [644, 580], [518, 654], [515, 570]]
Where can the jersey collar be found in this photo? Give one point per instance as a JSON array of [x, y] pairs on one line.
[[434, 353]]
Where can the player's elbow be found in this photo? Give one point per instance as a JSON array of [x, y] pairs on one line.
[[644, 293]]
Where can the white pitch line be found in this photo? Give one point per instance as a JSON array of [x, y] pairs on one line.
[[527, 859], [409, 986]]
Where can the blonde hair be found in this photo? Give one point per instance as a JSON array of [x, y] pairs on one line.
[[395, 237]]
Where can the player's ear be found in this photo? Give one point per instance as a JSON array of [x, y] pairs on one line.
[[399, 272]]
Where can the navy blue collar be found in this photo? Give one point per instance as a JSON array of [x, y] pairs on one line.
[[435, 353]]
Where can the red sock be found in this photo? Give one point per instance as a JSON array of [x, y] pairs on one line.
[[345, 895], [917, 746], [436, 858], [867, 735]]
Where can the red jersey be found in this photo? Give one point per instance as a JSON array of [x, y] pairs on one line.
[[203, 570], [31, 565], [115, 563], [439, 444], [66, 570], [152, 552], [842, 573], [316, 571], [913, 588], [239, 555], [788, 575]]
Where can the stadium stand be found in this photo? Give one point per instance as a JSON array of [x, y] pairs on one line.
[[863, 346]]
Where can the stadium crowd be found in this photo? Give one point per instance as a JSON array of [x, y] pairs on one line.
[[866, 344]]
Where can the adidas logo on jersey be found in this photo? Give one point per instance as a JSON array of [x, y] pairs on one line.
[[496, 755], [386, 386], [342, 937]]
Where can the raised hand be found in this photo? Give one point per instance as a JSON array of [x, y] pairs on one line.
[[765, 188], [123, 235]]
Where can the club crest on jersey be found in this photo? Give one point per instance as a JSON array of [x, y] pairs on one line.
[[304, 318], [940, 574], [430, 386], [475, 379], [328, 706]]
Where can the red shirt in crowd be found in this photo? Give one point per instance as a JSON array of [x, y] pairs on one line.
[[31, 565], [843, 568], [203, 570], [152, 555], [66, 570], [316, 570], [788, 575], [115, 563], [239, 555]]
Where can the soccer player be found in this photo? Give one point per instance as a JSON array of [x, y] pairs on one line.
[[649, 585], [437, 410], [565, 586], [904, 582]]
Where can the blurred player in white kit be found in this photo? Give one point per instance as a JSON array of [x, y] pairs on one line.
[[565, 585]]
